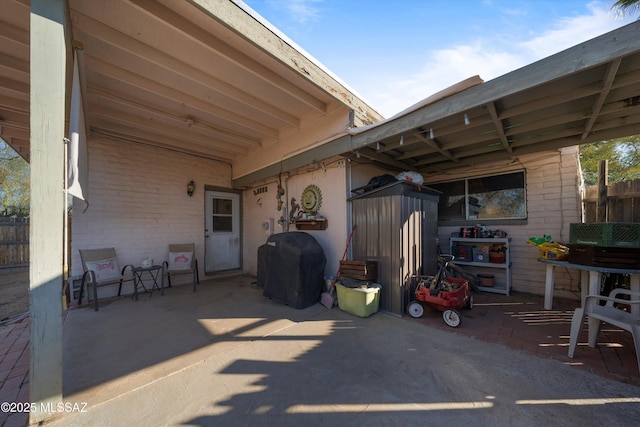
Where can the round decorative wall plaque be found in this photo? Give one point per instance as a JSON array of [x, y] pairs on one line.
[[311, 199]]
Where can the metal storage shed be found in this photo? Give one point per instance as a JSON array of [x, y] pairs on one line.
[[396, 225]]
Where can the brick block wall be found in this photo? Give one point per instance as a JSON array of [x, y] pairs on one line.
[[138, 202], [553, 202]]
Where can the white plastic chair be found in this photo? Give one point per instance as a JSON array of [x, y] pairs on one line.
[[609, 313]]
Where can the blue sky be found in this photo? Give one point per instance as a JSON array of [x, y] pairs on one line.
[[394, 53]]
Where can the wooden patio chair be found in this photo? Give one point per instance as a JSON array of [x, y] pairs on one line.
[[610, 313], [182, 260], [101, 268]]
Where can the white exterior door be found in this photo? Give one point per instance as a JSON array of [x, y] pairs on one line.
[[222, 231]]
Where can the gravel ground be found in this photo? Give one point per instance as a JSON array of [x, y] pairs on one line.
[[14, 294]]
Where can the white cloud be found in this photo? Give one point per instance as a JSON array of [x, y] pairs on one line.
[[488, 57], [571, 31], [300, 11]]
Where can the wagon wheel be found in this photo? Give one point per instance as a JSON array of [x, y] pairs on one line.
[[415, 309], [451, 317], [469, 304]]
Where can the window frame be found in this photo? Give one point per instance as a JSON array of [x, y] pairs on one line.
[[473, 221]]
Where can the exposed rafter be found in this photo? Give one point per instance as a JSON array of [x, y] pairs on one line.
[[498, 124], [607, 83]]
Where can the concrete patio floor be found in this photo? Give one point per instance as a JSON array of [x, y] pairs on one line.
[[228, 356]]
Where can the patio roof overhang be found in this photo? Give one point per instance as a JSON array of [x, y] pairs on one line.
[[208, 78], [588, 93], [214, 80]]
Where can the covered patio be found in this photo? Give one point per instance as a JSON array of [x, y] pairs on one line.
[[226, 355], [210, 93]]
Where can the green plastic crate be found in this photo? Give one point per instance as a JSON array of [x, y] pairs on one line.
[[608, 234]]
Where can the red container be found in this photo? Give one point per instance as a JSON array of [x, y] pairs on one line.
[[455, 293], [469, 232], [497, 257]]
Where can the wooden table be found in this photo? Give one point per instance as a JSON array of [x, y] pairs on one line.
[[589, 280]]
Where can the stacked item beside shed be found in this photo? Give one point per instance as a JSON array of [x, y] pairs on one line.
[[605, 244], [356, 292], [359, 270]]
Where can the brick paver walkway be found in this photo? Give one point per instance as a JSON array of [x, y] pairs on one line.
[[14, 369]]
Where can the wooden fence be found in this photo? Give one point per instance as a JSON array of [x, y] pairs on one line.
[[14, 242], [623, 202]]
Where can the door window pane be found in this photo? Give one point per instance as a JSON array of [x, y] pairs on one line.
[[222, 213], [222, 207]]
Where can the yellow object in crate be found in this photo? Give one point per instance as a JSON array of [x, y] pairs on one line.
[[553, 251]]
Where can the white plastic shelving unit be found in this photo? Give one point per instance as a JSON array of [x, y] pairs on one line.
[[501, 271]]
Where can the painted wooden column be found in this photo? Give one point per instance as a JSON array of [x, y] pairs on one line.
[[47, 109]]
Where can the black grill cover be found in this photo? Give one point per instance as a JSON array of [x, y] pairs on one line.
[[291, 269]]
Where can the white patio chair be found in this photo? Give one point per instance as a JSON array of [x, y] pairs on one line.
[[182, 260], [609, 313], [101, 268]]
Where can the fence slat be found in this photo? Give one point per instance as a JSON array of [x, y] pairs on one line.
[[14, 242], [623, 202]]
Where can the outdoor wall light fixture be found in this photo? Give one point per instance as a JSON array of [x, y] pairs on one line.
[[191, 187]]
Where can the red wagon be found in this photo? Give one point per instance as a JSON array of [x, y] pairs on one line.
[[442, 293]]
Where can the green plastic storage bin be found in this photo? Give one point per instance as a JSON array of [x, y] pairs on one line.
[[361, 301]]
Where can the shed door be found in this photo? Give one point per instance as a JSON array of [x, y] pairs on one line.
[[222, 231]]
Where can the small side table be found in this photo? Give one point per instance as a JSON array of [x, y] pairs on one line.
[[154, 272]]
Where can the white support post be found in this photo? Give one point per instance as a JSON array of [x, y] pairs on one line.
[[48, 61]]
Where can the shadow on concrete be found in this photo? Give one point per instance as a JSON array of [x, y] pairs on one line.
[[228, 356]]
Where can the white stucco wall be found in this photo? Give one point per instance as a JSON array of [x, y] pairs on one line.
[[139, 203], [553, 202], [259, 207]]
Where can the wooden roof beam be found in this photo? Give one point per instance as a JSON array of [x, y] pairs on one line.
[[437, 146], [128, 78], [123, 101], [491, 106], [199, 35], [607, 84], [118, 43], [432, 143], [372, 154]]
